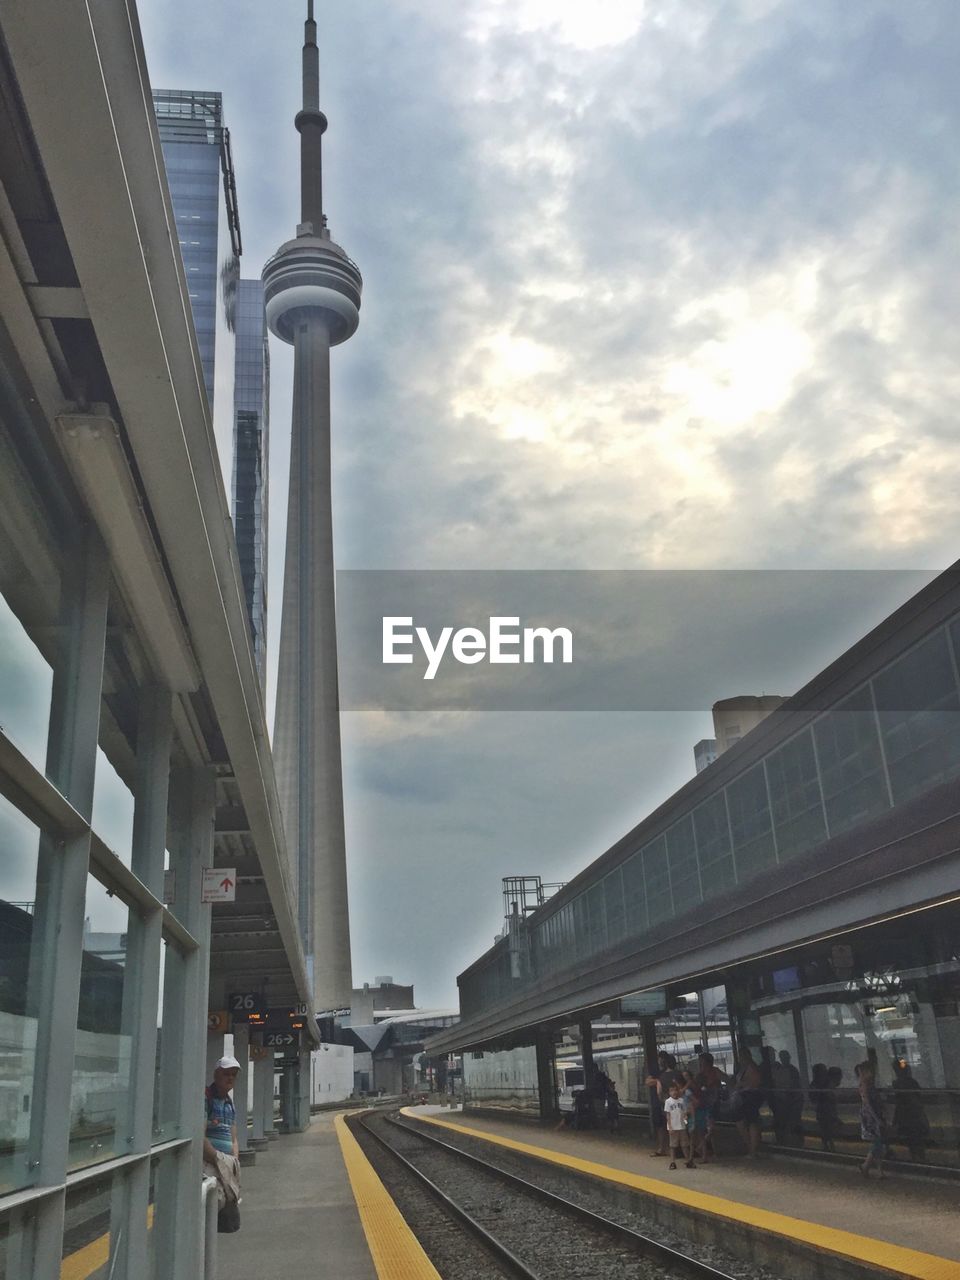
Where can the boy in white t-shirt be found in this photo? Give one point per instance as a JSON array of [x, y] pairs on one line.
[[675, 1110]]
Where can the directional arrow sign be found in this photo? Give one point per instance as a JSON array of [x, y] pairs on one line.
[[279, 1039], [219, 884]]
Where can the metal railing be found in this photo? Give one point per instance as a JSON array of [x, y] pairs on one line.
[[210, 1210]]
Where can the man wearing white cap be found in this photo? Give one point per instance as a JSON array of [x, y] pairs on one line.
[[221, 1150]]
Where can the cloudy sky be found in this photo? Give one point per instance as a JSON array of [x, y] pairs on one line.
[[648, 284]]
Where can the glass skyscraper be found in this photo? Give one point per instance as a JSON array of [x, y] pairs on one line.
[[251, 413], [196, 153], [229, 320]]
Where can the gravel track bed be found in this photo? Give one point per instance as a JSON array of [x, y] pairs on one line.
[[583, 1191], [554, 1245], [454, 1253]]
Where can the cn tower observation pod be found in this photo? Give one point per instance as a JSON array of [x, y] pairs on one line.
[[312, 274]]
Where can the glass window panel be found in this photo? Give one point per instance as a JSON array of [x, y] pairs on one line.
[[656, 878], [634, 895], [750, 824], [684, 872], [581, 928], [20, 959], [566, 917], [919, 710], [170, 1015], [101, 1067], [112, 810], [714, 851], [596, 926], [613, 906], [17, 1237], [25, 685], [851, 766], [795, 793]]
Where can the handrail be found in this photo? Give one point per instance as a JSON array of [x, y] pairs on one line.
[[210, 1210]]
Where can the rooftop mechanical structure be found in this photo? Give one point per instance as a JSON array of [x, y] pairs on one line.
[[312, 301]]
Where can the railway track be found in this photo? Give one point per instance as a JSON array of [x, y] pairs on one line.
[[530, 1231]]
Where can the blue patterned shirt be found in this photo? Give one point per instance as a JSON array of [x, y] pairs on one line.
[[221, 1117]]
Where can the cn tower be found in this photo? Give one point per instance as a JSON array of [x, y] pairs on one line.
[[312, 300]]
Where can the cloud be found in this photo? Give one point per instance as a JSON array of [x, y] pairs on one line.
[[647, 285]]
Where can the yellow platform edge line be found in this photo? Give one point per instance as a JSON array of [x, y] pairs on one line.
[[86, 1261], [396, 1252], [893, 1257]]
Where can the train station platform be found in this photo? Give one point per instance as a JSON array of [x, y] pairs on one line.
[[312, 1203], [904, 1224], [298, 1212]]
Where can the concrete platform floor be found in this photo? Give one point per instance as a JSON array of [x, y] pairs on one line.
[[915, 1212], [298, 1215]]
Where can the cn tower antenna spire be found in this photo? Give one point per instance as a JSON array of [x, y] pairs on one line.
[[311, 123]]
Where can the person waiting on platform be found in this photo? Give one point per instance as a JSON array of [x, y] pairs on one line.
[[677, 1110], [824, 1099], [871, 1118], [747, 1097], [768, 1085], [613, 1108], [696, 1118], [788, 1112], [909, 1118], [584, 1116], [221, 1149], [710, 1084]]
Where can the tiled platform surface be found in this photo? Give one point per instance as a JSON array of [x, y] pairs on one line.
[[915, 1213], [298, 1215]]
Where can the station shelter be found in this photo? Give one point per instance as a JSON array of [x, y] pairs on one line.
[[809, 875]]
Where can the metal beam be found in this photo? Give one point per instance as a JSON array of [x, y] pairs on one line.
[[53, 985], [30, 791]]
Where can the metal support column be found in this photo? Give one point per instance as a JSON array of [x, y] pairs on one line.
[[744, 1024], [289, 1093], [306, 1083], [241, 1043], [257, 1053], [702, 1011], [142, 978], [547, 1076], [213, 1053], [586, 1050], [179, 1220], [266, 1097], [53, 986]]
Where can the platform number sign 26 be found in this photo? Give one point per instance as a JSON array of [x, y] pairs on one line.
[[242, 1002], [279, 1039]]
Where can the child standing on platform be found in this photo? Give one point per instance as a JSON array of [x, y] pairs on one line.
[[675, 1111]]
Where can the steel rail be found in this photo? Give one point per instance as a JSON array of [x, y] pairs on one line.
[[680, 1263], [500, 1251]]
